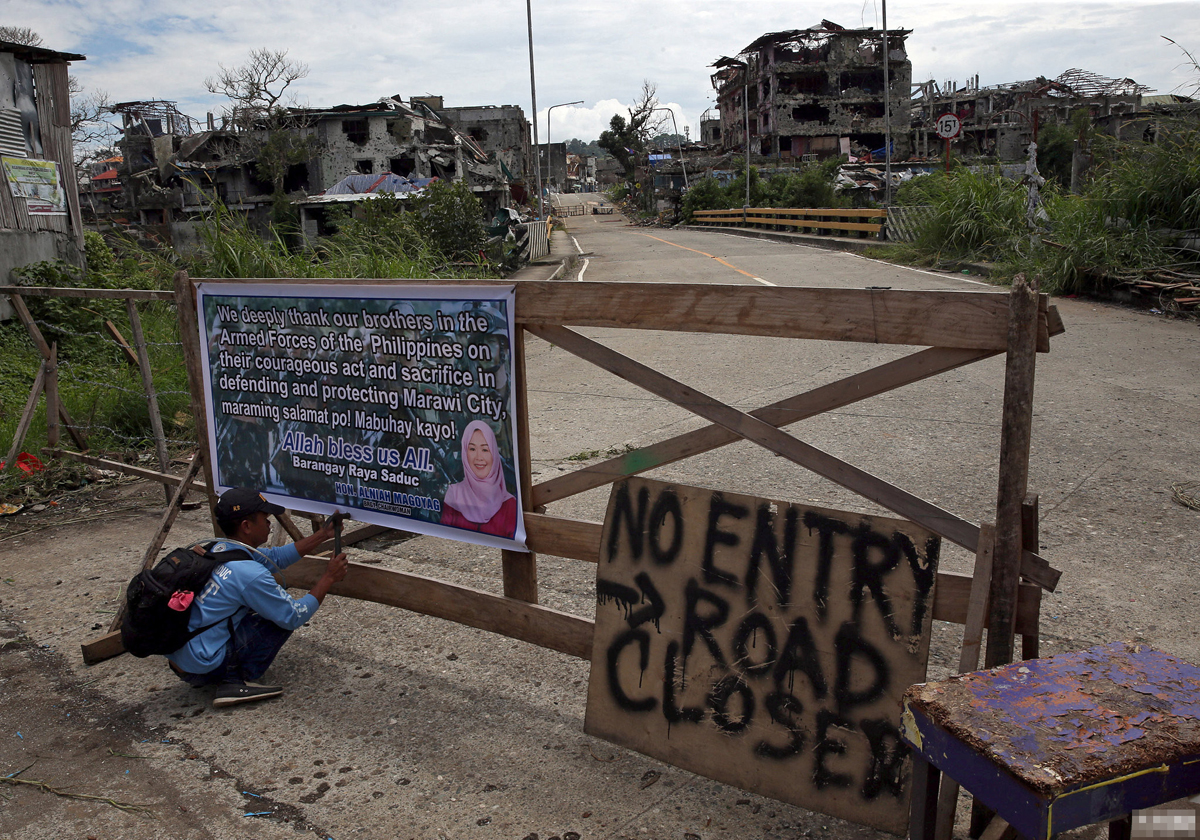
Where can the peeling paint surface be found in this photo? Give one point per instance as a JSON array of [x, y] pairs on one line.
[[1074, 719]]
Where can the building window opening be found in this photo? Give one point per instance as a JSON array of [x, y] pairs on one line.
[[402, 166], [811, 113], [356, 131], [364, 167]]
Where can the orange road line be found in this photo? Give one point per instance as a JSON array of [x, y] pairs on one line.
[[710, 256]]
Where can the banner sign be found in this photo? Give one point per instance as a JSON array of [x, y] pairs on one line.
[[37, 182], [763, 644], [399, 410]]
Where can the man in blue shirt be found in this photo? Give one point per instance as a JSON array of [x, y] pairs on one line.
[[247, 614]]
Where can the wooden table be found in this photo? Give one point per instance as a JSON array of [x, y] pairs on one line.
[[1057, 743]]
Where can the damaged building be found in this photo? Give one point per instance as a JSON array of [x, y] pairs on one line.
[[1001, 120], [172, 168], [39, 206], [815, 93]]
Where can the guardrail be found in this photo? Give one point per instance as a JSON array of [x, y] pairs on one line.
[[826, 221]]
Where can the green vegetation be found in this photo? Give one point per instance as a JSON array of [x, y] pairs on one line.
[[1138, 200], [809, 186], [439, 234]]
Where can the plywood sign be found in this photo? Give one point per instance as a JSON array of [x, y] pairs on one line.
[[762, 644]]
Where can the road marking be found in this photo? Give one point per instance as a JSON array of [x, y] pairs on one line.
[[577, 248], [711, 257], [868, 259], [582, 270]]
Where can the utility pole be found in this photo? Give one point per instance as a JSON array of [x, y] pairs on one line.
[[887, 116], [533, 98]]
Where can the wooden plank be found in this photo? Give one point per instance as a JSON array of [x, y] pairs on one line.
[[1015, 432], [510, 617], [143, 363], [105, 647], [941, 522], [654, 574], [40, 342], [189, 336], [953, 598], [519, 568], [968, 659], [128, 469], [164, 528], [53, 429], [975, 320], [852, 389], [31, 404], [109, 294], [130, 357], [584, 304], [559, 537]]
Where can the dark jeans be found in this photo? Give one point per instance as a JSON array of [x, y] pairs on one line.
[[248, 654]]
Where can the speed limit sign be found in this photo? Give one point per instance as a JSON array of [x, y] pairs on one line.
[[948, 126]]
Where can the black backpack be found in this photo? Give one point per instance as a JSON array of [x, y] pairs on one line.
[[151, 625]]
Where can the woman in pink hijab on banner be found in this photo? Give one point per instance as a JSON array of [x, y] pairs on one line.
[[480, 501]]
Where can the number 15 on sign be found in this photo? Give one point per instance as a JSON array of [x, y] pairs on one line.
[[948, 127]]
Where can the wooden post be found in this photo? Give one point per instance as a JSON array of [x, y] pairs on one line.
[[1014, 467], [18, 304], [1030, 540], [35, 393], [130, 357], [53, 430], [143, 360], [968, 659], [520, 567], [189, 337]]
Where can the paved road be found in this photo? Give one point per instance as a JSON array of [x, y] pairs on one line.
[[394, 725]]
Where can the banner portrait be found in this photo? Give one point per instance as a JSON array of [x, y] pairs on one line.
[[397, 409], [38, 182]]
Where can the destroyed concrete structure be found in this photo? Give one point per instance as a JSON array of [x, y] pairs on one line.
[[814, 93], [39, 205], [173, 170], [1001, 120]]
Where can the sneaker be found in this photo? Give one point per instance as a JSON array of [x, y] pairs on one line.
[[230, 694]]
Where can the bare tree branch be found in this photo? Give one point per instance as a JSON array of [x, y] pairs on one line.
[[257, 88], [20, 35]]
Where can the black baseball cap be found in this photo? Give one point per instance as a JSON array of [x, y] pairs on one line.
[[240, 502]]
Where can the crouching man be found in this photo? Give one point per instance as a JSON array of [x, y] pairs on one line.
[[247, 614]]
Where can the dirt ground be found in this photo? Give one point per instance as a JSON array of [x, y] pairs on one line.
[[395, 725]]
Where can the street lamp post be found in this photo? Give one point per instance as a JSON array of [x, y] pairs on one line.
[[548, 110], [533, 98], [679, 142]]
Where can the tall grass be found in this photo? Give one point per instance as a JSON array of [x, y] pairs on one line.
[[1138, 200]]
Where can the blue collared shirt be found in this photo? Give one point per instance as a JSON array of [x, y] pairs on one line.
[[236, 589]]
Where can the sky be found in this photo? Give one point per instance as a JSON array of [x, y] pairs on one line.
[[476, 52]]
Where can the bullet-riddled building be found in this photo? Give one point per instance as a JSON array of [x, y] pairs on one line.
[[815, 93]]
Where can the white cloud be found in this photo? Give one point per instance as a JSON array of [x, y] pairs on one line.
[[475, 52]]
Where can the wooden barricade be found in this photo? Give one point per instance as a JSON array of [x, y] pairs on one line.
[[818, 220], [954, 328]]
